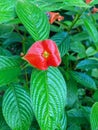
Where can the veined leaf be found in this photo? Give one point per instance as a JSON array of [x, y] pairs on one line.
[[87, 64], [63, 42], [9, 69], [78, 47], [5, 52], [92, 31], [35, 21], [63, 123], [17, 109], [7, 11], [83, 79], [3, 125], [48, 93], [94, 117]]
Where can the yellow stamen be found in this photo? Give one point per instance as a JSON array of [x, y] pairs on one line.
[[45, 54]]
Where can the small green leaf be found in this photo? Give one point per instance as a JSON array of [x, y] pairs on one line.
[[72, 92], [94, 117], [95, 96], [62, 40], [48, 93], [83, 79], [34, 19], [17, 109], [91, 51]]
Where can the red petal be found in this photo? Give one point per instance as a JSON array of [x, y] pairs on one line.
[[54, 57], [37, 61], [35, 54]]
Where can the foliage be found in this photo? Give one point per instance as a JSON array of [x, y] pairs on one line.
[[59, 98]]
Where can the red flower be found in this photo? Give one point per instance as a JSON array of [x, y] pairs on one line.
[[43, 54], [54, 16], [88, 1], [94, 10]]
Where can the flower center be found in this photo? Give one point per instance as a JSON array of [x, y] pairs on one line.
[[45, 54]]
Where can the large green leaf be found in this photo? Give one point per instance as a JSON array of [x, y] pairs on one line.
[[49, 5], [83, 79], [9, 69], [87, 64], [63, 124], [48, 93], [7, 11], [94, 117], [17, 109], [35, 21], [92, 31], [3, 125], [79, 3]]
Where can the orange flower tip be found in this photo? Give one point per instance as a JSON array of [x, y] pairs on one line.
[[94, 10], [53, 16], [88, 1]]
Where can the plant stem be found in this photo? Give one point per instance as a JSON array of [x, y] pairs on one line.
[[76, 19], [62, 24]]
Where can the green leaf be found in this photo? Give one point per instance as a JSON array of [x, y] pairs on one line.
[[72, 91], [63, 42], [49, 5], [94, 117], [3, 125], [79, 3], [87, 64], [94, 73], [63, 124], [5, 30], [91, 51], [95, 96], [80, 36], [74, 127], [4, 52], [48, 93], [83, 79], [17, 109], [34, 20], [92, 31], [77, 116], [78, 47], [7, 11], [9, 69]]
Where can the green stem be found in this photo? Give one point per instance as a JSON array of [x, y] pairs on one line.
[[62, 24], [76, 19]]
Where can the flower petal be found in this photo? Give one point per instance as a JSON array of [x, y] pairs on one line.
[[36, 57], [37, 61]]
